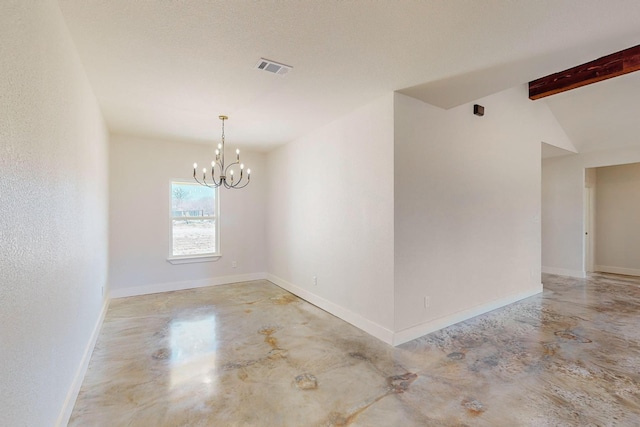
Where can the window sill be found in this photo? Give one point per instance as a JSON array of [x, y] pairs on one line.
[[193, 258]]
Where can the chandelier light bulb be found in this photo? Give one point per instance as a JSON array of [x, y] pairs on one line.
[[195, 166], [241, 166]]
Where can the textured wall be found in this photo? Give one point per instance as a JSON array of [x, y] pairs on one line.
[[139, 185], [330, 215], [617, 221], [562, 215], [467, 204], [53, 213]]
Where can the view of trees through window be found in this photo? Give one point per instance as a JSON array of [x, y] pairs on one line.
[[193, 219]]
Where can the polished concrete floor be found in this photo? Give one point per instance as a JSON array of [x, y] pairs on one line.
[[252, 354]]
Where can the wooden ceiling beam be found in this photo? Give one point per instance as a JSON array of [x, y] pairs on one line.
[[619, 63]]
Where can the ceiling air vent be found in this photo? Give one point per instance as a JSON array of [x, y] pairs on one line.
[[273, 67]]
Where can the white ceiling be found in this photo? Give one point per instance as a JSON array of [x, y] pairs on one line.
[[602, 115], [167, 69], [549, 150]]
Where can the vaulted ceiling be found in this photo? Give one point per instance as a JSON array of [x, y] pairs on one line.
[[168, 68]]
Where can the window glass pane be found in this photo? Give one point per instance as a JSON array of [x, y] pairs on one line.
[[192, 200], [194, 236]]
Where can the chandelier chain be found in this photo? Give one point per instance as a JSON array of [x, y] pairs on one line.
[[223, 131]]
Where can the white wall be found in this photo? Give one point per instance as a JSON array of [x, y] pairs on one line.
[[563, 182], [139, 229], [562, 216], [617, 220], [53, 214], [330, 215], [467, 207]]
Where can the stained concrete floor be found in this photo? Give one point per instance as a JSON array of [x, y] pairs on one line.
[[252, 354]]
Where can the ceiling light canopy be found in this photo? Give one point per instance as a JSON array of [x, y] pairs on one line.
[[221, 174]]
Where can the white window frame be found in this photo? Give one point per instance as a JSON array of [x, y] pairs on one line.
[[205, 257]]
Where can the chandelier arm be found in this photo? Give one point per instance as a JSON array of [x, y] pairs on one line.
[[213, 177], [203, 182], [226, 174], [227, 168], [236, 187], [214, 183]]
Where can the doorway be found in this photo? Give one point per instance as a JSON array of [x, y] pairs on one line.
[[589, 206], [611, 223]]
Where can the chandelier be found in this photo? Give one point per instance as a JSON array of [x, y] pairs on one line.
[[220, 174]]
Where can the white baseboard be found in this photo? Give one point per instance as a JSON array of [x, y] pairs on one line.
[[422, 329], [618, 270], [356, 320], [74, 390], [564, 272], [179, 286]]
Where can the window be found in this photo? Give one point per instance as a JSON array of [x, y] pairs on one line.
[[194, 221]]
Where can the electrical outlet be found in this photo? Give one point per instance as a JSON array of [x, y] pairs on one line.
[[234, 264], [315, 280], [427, 302]]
